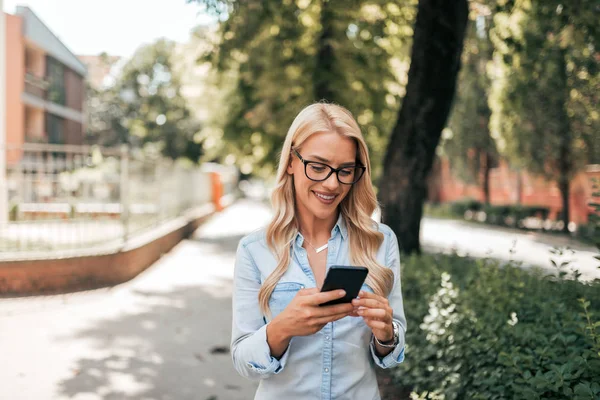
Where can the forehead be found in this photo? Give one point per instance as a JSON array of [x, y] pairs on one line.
[[330, 146]]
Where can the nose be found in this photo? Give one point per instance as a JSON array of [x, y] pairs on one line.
[[331, 183]]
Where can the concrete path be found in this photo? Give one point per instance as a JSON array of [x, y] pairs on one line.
[[530, 248], [165, 335]]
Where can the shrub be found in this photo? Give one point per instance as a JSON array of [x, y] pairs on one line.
[[482, 330]]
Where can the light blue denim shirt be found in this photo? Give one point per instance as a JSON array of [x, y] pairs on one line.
[[334, 363]]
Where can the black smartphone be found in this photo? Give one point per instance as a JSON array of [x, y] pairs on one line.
[[347, 278]]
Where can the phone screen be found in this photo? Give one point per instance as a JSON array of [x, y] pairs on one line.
[[348, 278]]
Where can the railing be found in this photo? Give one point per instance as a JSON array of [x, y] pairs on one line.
[[35, 85], [64, 197]]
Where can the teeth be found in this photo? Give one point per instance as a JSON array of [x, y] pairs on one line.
[[325, 197]]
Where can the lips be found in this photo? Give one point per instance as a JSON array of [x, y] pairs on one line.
[[325, 198]]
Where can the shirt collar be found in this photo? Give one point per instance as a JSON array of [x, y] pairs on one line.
[[340, 226]]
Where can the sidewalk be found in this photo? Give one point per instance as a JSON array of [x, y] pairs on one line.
[[530, 248], [163, 335]]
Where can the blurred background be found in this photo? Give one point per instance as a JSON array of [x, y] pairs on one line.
[[139, 142]]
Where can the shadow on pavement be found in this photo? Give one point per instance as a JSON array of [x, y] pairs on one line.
[[175, 347], [222, 244]]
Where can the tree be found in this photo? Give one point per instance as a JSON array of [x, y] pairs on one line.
[[546, 87], [435, 61], [286, 55], [145, 106], [467, 141]]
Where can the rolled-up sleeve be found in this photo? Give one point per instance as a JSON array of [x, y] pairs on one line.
[[249, 348], [392, 258]]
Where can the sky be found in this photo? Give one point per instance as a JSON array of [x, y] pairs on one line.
[[118, 27]]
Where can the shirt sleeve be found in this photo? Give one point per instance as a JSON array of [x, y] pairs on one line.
[[249, 348], [396, 356]]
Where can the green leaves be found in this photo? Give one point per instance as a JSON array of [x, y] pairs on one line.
[[145, 106], [281, 56], [483, 330], [545, 85]]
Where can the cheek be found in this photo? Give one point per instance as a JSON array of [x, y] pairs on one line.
[[345, 194]]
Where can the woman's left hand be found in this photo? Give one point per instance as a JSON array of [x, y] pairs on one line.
[[376, 313]]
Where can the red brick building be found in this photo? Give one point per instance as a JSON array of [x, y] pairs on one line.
[[508, 186]]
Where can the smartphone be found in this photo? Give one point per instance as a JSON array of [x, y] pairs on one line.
[[345, 277]]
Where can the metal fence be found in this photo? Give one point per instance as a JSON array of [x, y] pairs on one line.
[[64, 197]]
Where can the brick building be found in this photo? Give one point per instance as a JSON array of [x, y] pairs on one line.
[[508, 186], [45, 91]]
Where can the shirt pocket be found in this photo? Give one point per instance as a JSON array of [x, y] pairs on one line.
[[282, 295]]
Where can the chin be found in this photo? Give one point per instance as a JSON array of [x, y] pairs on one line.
[[324, 212]]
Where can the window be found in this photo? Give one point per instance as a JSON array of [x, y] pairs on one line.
[[55, 128], [55, 73]]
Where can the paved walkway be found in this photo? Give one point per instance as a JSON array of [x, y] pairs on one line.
[[530, 248], [165, 335]]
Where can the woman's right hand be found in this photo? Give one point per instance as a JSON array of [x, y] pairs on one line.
[[304, 317]]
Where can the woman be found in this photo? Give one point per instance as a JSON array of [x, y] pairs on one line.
[[323, 202]]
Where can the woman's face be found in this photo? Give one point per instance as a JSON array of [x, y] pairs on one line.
[[321, 199]]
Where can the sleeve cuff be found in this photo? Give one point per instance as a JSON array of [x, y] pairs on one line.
[[263, 362], [395, 357]]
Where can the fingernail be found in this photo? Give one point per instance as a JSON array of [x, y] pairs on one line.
[[342, 293], [361, 312], [361, 293]]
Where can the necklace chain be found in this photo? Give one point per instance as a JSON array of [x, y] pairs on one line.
[[317, 250]]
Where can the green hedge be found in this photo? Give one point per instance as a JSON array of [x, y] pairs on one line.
[[479, 330]]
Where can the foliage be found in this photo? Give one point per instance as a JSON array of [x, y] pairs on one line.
[[481, 330], [467, 140], [546, 86], [145, 106], [285, 55]]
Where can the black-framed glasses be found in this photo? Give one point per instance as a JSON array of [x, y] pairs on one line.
[[318, 171]]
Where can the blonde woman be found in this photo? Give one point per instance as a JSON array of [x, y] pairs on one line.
[[323, 202]]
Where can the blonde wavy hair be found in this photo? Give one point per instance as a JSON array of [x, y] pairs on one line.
[[356, 208]]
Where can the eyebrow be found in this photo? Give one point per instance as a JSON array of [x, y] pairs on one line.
[[327, 161]]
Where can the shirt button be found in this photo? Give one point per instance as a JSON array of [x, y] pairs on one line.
[[326, 369], [326, 337]]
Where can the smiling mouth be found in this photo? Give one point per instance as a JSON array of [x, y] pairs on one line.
[[325, 198]]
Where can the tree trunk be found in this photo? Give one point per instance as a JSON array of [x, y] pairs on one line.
[[519, 187], [565, 169], [486, 177], [565, 162], [564, 186], [435, 62], [324, 74]]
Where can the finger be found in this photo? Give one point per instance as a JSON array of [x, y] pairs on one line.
[[307, 292], [330, 318], [334, 309], [324, 297], [375, 324], [374, 313], [363, 294], [369, 303]]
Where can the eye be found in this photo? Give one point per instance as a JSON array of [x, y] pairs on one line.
[[347, 172], [317, 168]]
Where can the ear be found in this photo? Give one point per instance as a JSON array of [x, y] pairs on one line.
[[290, 170]]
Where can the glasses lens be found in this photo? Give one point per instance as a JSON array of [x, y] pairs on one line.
[[350, 174], [317, 171]]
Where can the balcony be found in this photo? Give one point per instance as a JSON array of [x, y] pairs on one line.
[[35, 85]]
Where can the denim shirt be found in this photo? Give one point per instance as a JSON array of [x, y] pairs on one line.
[[334, 363]]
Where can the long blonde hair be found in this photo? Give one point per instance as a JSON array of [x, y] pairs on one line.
[[356, 208]]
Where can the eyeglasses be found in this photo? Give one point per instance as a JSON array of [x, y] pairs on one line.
[[318, 172]]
